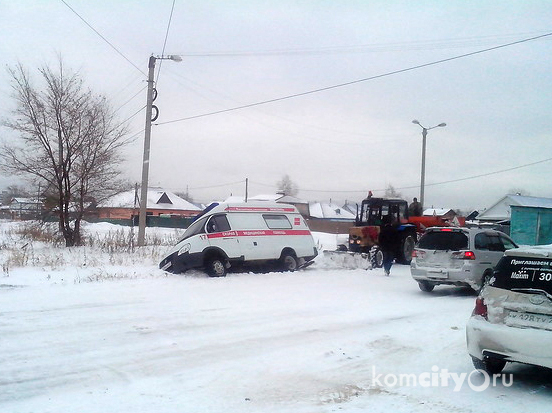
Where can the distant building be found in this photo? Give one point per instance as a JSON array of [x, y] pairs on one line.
[[159, 203], [502, 211], [301, 205], [328, 210], [444, 213], [266, 197], [527, 219], [25, 208], [330, 218], [352, 208], [530, 225]]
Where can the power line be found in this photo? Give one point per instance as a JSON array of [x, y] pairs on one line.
[[323, 89], [218, 186], [133, 96], [382, 190], [255, 119], [487, 174], [442, 182], [130, 117], [165, 42], [367, 48], [103, 38]]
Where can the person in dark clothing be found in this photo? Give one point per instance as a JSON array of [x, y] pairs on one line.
[[415, 209], [387, 240]]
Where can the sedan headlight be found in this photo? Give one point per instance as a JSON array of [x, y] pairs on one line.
[[185, 248]]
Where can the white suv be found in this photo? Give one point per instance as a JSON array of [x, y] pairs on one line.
[[457, 256], [512, 319]]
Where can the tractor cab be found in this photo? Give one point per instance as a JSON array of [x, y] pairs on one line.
[[372, 215], [374, 212]]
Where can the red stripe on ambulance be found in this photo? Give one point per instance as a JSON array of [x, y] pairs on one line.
[[258, 233], [259, 209]]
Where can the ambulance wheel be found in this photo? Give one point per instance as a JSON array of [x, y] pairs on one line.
[[216, 267], [288, 262]]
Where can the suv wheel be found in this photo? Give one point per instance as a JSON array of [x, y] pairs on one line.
[[426, 286], [489, 364]]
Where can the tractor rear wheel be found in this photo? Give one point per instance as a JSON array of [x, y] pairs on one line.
[[406, 249]]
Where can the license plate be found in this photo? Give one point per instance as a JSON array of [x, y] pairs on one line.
[[437, 274], [516, 319]]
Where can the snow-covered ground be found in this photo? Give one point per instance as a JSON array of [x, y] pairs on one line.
[[97, 334]]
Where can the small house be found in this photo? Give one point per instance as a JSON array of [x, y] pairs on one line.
[[159, 203]]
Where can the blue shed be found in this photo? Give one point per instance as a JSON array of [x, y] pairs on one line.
[[531, 225]]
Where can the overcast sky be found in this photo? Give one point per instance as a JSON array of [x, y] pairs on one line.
[[337, 143]]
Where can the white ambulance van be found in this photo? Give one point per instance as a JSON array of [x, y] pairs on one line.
[[229, 235]]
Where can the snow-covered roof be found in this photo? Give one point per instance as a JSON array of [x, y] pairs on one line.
[[288, 199], [329, 210], [502, 211], [26, 201], [352, 208], [157, 199], [234, 199], [439, 212], [265, 197]]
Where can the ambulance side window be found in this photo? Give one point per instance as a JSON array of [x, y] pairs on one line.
[[277, 221], [218, 223]]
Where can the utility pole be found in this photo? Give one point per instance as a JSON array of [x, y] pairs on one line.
[[147, 139], [424, 136], [145, 162], [422, 183]]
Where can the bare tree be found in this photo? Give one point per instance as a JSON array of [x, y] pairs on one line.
[[287, 186], [391, 192], [519, 191], [68, 141]]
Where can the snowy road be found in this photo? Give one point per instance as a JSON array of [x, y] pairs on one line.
[[313, 341]]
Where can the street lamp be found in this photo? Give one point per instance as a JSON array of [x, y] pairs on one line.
[[424, 135], [147, 137]]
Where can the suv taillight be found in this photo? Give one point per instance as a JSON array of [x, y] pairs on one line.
[[464, 255], [480, 308]]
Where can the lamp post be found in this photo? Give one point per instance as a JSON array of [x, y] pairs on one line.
[[147, 138], [424, 136]]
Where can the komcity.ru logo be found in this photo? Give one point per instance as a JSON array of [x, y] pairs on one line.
[[477, 380]]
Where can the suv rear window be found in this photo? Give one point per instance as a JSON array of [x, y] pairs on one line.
[[522, 274], [444, 241]]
